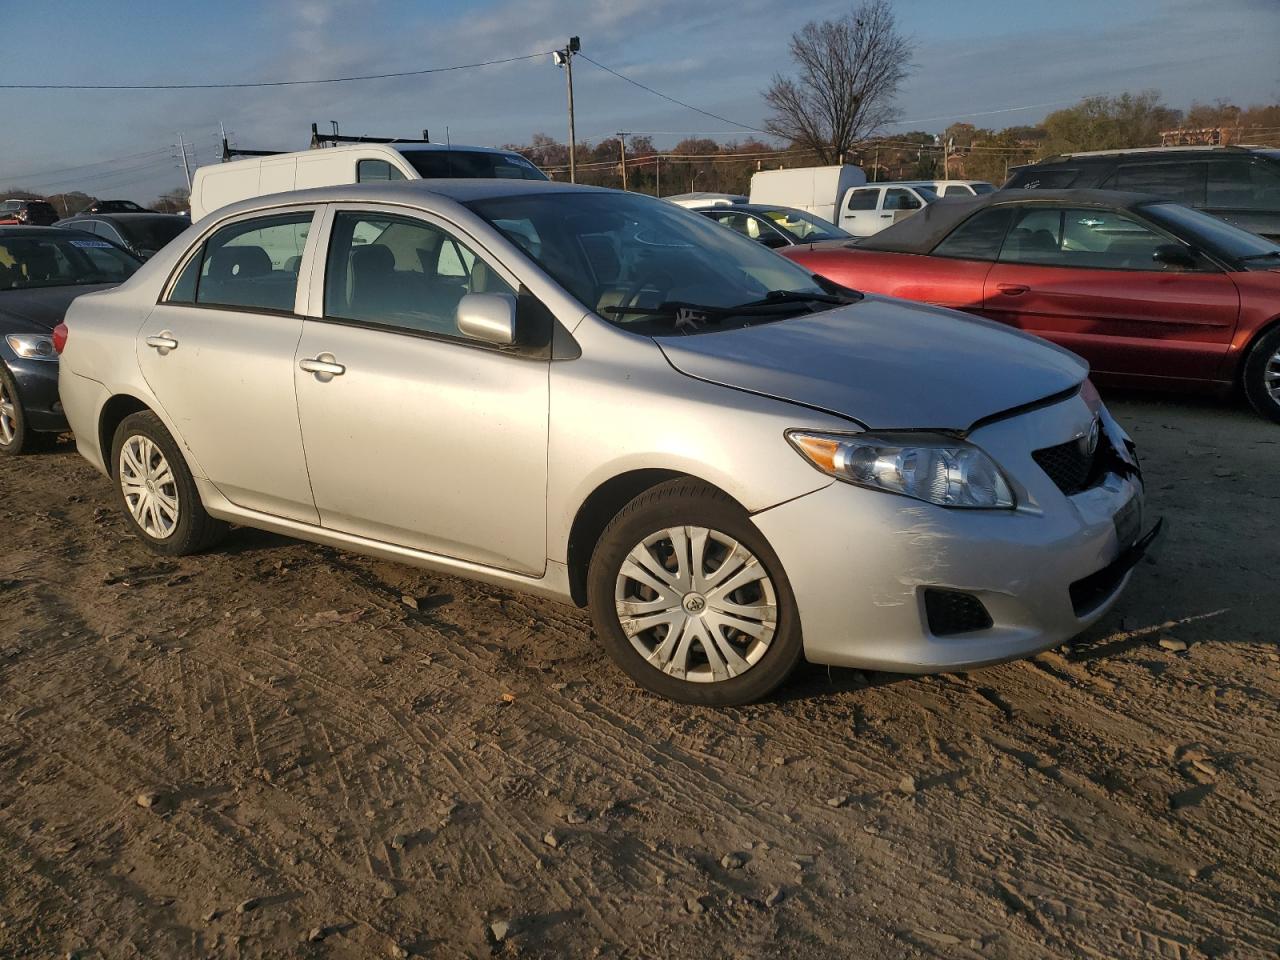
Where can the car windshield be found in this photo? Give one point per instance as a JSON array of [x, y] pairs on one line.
[[152, 233], [47, 261], [1209, 231], [805, 227], [646, 265], [480, 164]]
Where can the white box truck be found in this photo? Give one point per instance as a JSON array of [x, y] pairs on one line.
[[817, 190], [219, 184]]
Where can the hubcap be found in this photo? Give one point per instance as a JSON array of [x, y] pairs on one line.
[[8, 416], [696, 604], [1271, 377], [149, 486]]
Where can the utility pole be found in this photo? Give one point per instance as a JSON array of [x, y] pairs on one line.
[[564, 58], [622, 147], [186, 168], [657, 172]]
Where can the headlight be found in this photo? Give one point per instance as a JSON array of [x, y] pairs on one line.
[[929, 467], [32, 346]]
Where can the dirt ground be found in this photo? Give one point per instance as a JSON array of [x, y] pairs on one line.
[[281, 750]]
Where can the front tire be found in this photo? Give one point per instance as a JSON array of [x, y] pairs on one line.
[[156, 490], [690, 600], [1262, 375], [16, 435]]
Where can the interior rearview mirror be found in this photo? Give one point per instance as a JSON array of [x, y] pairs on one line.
[[490, 317], [1174, 255]]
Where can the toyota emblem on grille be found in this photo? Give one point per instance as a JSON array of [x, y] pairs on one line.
[[1089, 442]]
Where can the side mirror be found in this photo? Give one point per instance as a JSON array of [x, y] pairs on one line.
[[490, 317], [1174, 255]]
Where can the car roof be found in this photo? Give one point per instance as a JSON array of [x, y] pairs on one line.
[[925, 229], [127, 216], [411, 192], [1159, 153]]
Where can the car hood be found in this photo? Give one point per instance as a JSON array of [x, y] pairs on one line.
[[888, 364], [44, 306]]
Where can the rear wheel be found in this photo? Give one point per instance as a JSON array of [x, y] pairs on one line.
[[690, 600], [156, 490], [1262, 375]]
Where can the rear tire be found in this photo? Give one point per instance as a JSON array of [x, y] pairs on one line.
[[1261, 376], [690, 600], [156, 491]]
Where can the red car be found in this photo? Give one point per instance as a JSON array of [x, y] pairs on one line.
[[1149, 292]]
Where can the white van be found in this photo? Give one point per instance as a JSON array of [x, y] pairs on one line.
[[955, 188], [218, 184], [818, 190]]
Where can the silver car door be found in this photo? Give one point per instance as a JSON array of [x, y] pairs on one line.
[[218, 353], [415, 434]]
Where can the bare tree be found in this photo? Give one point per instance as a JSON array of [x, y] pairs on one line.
[[850, 70]]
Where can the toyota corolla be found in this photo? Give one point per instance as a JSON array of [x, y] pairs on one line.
[[602, 398]]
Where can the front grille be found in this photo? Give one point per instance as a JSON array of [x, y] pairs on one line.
[[1070, 465], [951, 612]]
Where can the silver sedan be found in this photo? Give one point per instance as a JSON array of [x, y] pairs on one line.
[[601, 398]]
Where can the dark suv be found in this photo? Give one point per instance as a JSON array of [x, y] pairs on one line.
[[1239, 184]]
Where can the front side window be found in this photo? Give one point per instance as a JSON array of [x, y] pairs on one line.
[[899, 199], [957, 190], [401, 273], [804, 227], [1082, 237], [1183, 182], [979, 237], [376, 170], [639, 262], [251, 264]]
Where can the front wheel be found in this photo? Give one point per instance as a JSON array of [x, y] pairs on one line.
[[156, 489], [690, 600], [16, 436], [1262, 375]]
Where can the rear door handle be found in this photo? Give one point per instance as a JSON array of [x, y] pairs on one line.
[[324, 367], [1012, 289], [164, 342], [886, 215]]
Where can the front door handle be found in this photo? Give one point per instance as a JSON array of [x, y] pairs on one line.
[[323, 366], [1013, 289], [886, 216], [164, 342]]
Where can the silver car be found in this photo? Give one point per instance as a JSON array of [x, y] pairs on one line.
[[605, 399]]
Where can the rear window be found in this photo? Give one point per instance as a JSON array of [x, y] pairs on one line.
[[1043, 179], [476, 164]]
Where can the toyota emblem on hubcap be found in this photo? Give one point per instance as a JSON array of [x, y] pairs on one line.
[[694, 603]]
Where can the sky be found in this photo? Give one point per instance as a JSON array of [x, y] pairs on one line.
[[989, 62]]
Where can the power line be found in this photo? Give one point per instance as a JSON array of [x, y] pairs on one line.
[[83, 166], [267, 83], [658, 93]]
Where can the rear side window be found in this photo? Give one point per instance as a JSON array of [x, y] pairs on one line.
[[1044, 179], [375, 170], [979, 237], [863, 200], [1244, 184], [1181, 182], [251, 264]]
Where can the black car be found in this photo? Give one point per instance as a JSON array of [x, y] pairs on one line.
[[1239, 184], [773, 226], [142, 234], [115, 206], [42, 269], [35, 213]]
